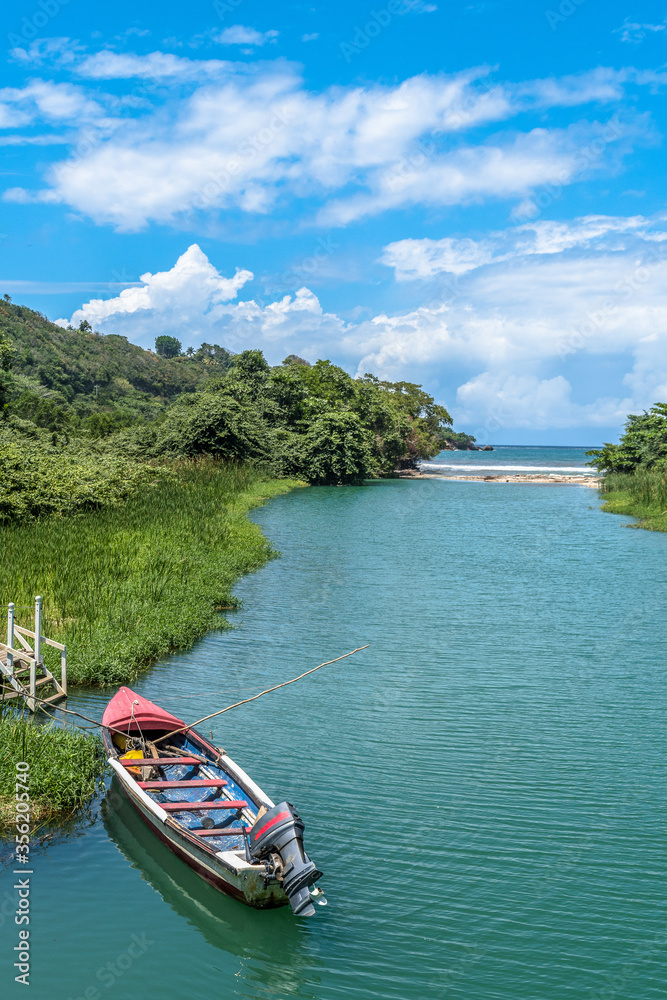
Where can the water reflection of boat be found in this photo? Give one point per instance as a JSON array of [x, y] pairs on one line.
[[232, 928]]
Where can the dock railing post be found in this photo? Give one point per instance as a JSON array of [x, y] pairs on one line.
[[10, 637], [63, 670], [37, 655]]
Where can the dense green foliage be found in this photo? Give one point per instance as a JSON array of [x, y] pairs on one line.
[[6, 358], [67, 767], [61, 378], [167, 347], [644, 444], [635, 480], [40, 478], [126, 584], [459, 441], [311, 421], [83, 414]]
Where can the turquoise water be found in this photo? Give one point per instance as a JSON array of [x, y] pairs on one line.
[[483, 787], [511, 460]]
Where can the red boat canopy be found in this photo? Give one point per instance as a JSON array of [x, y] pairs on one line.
[[118, 714]]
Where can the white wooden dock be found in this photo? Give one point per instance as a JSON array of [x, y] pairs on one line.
[[23, 673]]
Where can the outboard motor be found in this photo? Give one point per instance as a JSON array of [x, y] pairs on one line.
[[280, 831]]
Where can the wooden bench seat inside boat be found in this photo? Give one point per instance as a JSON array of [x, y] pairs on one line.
[[192, 806], [230, 831], [202, 783], [157, 761]]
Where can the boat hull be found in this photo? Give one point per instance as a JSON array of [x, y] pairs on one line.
[[225, 870], [246, 883]]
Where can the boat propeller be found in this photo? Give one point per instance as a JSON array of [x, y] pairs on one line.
[[280, 832]]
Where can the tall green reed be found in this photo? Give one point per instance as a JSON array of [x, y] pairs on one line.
[[126, 584], [67, 766], [645, 486]]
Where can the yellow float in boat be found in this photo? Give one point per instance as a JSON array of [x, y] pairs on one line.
[[133, 755]]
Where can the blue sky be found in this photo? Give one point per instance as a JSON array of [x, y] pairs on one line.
[[467, 195]]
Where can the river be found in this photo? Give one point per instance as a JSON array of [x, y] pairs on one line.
[[483, 787]]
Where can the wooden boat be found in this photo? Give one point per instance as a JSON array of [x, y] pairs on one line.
[[206, 809]]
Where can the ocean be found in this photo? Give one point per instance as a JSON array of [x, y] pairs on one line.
[[511, 460]]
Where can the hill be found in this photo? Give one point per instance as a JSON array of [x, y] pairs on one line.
[[60, 378], [86, 418]]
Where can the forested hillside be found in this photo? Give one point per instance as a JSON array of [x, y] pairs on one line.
[[61, 378], [85, 417]]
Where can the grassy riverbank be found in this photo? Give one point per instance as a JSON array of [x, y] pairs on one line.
[[127, 584], [641, 494], [54, 791]]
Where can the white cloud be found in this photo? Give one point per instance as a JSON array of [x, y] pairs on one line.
[[635, 32], [525, 401], [586, 293], [256, 137], [194, 302], [239, 34], [42, 100], [310, 38], [600, 84], [507, 329], [173, 299], [417, 259], [418, 7], [62, 51], [34, 140], [423, 259], [109, 65]]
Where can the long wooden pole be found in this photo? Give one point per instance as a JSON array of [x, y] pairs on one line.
[[86, 718], [255, 696]]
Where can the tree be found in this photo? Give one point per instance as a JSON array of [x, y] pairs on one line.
[[427, 421], [85, 327], [294, 359], [6, 358], [167, 347], [212, 424], [212, 354], [337, 449], [643, 443], [100, 425]]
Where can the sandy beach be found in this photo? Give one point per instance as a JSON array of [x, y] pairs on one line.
[[552, 479]]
